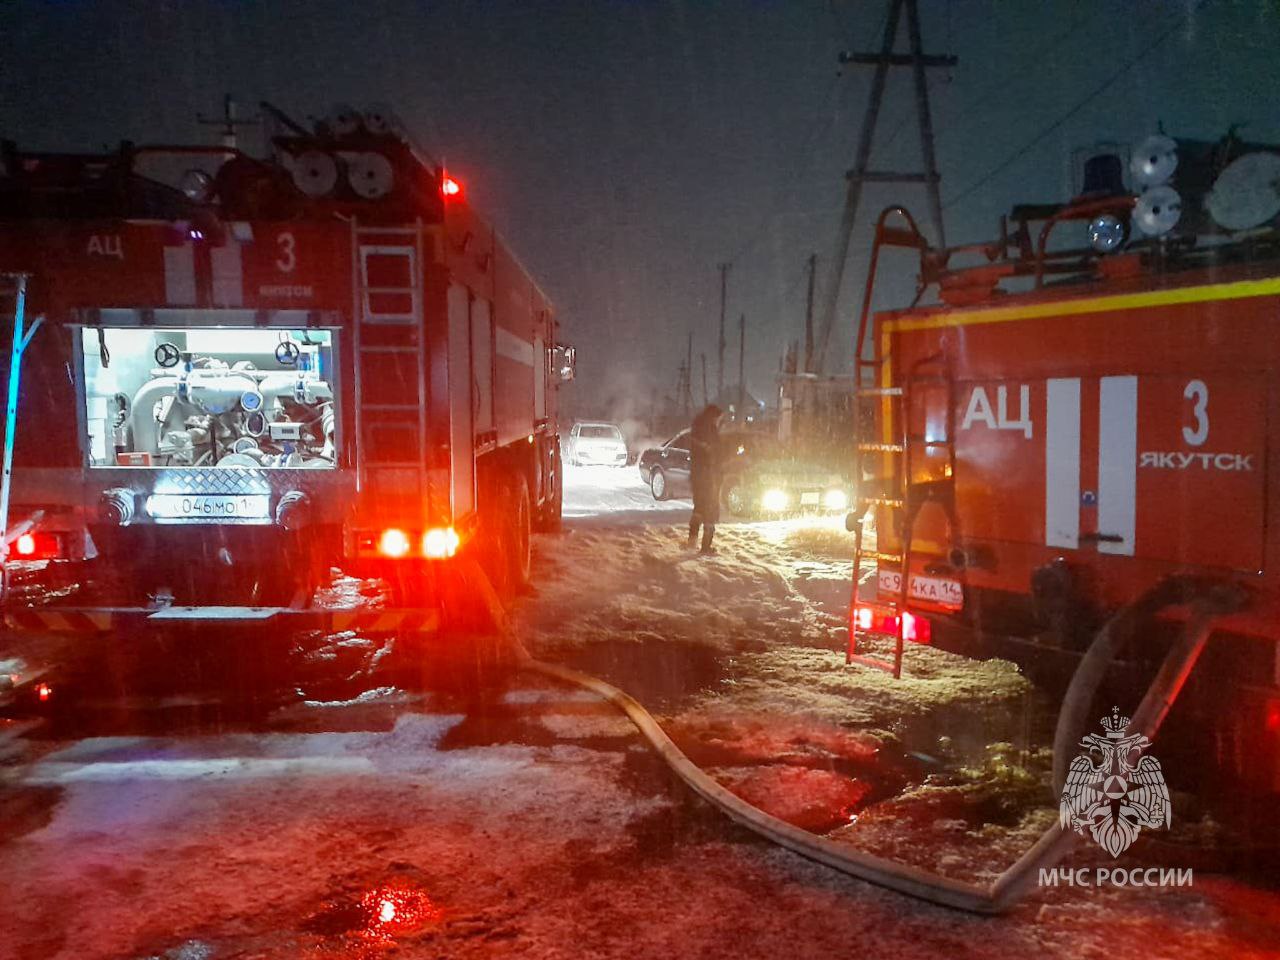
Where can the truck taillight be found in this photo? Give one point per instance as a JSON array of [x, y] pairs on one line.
[[915, 628], [37, 546], [872, 620], [393, 543], [440, 542]]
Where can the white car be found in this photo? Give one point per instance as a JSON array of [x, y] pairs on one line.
[[596, 444]]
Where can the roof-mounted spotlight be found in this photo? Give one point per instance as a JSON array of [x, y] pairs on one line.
[[1107, 233], [197, 186]]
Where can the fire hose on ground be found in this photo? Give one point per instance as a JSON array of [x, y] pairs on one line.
[[1208, 600]]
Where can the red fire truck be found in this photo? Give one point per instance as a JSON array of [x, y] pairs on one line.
[[1086, 410], [229, 374]]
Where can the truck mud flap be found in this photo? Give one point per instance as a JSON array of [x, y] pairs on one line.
[[102, 620]]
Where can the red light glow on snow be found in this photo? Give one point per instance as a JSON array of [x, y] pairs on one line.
[[397, 908]]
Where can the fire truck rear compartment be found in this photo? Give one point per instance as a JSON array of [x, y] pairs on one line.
[[210, 398]]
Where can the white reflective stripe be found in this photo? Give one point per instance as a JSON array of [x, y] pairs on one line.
[[1062, 463], [1117, 462], [539, 381], [513, 348], [228, 276], [180, 275]]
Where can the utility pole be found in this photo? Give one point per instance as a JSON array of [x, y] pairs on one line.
[[808, 317], [724, 289], [742, 354], [705, 398], [228, 122], [861, 172], [688, 376]]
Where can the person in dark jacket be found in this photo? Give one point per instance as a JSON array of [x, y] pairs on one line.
[[704, 475]]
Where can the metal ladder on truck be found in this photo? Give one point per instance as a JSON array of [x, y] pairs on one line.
[[15, 288], [391, 363], [897, 493]]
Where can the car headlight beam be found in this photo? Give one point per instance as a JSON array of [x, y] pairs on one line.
[[835, 500], [775, 500]]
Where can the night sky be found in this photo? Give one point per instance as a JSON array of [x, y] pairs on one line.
[[625, 149]]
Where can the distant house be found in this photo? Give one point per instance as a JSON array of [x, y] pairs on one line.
[[752, 408]]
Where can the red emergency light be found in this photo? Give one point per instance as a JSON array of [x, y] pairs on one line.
[[450, 187], [37, 546]]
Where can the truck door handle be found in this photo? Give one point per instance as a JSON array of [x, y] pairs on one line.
[[1102, 537]]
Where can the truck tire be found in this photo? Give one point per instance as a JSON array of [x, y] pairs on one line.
[[549, 517], [505, 535], [520, 536]]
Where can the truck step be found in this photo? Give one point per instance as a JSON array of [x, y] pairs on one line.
[[863, 660], [881, 447], [879, 557], [880, 392], [216, 613]]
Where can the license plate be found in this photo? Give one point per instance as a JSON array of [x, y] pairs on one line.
[[181, 506], [810, 499], [939, 590]]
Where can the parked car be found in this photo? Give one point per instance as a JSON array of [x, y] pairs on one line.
[[764, 478], [760, 478], [666, 468], [596, 444]]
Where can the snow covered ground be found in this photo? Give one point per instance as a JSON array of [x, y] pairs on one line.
[[614, 495], [511, 817]]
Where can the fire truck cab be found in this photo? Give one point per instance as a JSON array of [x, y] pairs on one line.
[[229, 374]]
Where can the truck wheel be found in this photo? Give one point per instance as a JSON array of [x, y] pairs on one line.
[[658, 484], [520, 532], [549, 517]]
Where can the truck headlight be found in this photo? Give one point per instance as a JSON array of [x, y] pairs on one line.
[[835, 500], [775, 500]]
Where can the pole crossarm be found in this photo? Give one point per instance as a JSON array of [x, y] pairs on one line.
[[900, 59]]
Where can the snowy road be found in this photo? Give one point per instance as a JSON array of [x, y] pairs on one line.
[[422, 809], [613, 495]]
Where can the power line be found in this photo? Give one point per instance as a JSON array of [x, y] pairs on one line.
[[1001, 81], [1021, 151]]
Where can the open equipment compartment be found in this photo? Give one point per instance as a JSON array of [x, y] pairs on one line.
[[221, 398]]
